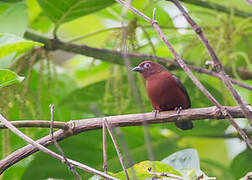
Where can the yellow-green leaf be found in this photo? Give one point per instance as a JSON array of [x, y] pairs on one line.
[[10, 43], [65, 10], [8, 77], [141, 170]]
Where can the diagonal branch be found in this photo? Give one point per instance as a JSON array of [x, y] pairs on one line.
[[49, 152], [249, 2], [182, 64], [70, 166], [79, 126], [116, 147], [217, 63]]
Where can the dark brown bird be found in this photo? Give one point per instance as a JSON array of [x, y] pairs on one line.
[[165, 90]]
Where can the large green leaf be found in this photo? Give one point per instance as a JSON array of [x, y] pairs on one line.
[[13, 20], [8, 77], [65, 10], [10, 43]]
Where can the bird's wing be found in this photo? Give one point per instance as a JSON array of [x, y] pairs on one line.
[[182, 87]]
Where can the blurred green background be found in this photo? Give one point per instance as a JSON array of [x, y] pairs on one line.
[[75, 82]]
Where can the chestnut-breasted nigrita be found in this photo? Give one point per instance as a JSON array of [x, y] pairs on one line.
[[165, 90]]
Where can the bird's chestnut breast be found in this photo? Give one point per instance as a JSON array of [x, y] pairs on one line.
[[164, 92]]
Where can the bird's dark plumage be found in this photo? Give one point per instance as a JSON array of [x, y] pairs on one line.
[[165, 90]]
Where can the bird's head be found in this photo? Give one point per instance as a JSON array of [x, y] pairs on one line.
[[148, 68]]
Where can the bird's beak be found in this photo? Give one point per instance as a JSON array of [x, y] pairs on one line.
[[138, 69]]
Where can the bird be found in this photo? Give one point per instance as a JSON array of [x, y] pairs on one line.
[[165, 90]]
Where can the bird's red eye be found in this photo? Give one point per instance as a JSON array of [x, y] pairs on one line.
[[147, 65]]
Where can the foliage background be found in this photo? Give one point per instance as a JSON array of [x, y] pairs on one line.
[[74, 82]]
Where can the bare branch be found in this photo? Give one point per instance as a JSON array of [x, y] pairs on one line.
[[116, 56], [70, 167], [49, 152], [37, 123], [134, 87], [117, 148], [217, 63], [104, 147], [249, 2], [79, 126], [182, 64]]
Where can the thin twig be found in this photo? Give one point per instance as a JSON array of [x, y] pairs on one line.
[[49, 152], [70, 167], [134, 87], [129, 160], [188, 71], [37, 123], [217, 63], [211, 73], [149, 40], [249, 2], [104, 145], [117, 148]]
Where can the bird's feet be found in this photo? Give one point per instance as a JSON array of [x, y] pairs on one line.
[[178, 109], [155, 113]]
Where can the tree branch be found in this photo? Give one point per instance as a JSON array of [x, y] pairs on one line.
[[79, 126], [218, 7], [38, 123], [117, 57], [182, 64], [37, 145], [70, 166], [249, 2], [119, 154], [217, 63]]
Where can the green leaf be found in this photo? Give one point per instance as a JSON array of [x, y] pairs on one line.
[[10, 43], [8, 77], [141, 170], [65, 10], [14, 19], [242, 164]]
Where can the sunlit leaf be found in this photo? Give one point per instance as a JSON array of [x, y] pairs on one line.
[[14, 19], [65, 10], [141, 170], [10, 43], [8, 77]]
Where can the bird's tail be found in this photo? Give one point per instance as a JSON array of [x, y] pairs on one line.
[[186, 125]]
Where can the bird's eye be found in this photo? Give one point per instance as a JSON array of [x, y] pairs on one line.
[[147, 65]]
